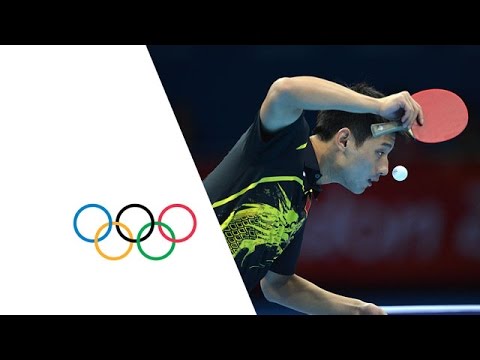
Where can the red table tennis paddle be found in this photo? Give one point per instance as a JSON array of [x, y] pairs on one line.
[[445, 117]]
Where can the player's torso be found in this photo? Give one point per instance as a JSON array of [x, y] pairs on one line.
[[261, 224], [259, 197]]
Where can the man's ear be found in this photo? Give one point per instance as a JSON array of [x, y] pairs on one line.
[[342, 138]]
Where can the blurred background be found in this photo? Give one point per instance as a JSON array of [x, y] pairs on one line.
[[400, 243]]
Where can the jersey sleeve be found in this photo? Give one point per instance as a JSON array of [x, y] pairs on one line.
[[286, 263], [262, 146]]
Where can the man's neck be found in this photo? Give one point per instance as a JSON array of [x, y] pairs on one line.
[[325, 160]]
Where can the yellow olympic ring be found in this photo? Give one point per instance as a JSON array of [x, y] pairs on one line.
[[97, 235]]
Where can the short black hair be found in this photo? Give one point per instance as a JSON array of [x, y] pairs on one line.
[[330, 121]]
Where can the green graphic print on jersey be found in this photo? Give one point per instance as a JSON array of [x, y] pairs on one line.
[[253, 225]]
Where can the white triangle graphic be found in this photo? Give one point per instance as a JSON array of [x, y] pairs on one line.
[[92, 124]]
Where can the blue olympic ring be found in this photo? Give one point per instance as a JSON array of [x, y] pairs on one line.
[[77, 214]]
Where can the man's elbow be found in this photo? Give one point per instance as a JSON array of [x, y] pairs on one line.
[[281, 90], [268, 292], [274, 288]]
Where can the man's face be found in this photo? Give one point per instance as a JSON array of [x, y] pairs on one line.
[[365, 164]]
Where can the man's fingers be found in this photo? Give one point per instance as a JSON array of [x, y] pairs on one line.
[[420, 117], [407, 115], [413, 110]]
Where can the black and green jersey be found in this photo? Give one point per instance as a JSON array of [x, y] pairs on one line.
[[261, 194]]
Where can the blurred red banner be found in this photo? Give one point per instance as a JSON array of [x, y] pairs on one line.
[[422, 231]]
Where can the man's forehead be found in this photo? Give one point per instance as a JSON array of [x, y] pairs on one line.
[[385, 140], [388, 140]]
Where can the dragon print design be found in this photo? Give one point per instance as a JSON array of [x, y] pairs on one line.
[[253, 225]]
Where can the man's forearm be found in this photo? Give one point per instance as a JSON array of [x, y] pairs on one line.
[[312, 93], [301, 295], [289, 96]]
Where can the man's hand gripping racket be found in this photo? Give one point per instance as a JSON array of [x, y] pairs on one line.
[[435, 115]]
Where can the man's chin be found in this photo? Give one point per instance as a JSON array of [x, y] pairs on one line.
[[358, 191]]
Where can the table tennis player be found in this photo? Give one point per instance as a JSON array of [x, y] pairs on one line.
[[262, 190]]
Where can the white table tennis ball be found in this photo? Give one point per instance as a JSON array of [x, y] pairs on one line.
[[399, 173]]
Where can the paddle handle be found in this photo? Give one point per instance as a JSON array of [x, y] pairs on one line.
[[388, 128]]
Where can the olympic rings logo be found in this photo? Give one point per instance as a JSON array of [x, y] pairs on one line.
[[138, 239]]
